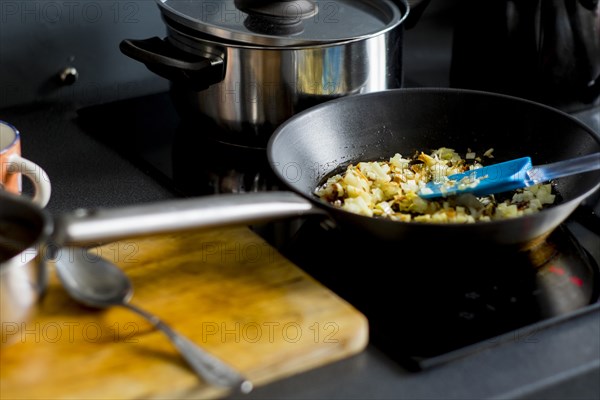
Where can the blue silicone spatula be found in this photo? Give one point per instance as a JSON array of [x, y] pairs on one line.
[[509, 175]]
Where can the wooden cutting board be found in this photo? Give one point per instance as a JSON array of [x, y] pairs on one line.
[[226, 289]]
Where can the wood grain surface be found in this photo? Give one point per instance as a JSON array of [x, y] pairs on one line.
[[227, 290]]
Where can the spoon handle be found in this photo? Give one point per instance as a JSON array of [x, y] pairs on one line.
[[208, 367]]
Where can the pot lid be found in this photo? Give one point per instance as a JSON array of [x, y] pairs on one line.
[[286, 23]]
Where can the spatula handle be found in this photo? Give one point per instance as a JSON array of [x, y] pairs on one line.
[[547, 172]]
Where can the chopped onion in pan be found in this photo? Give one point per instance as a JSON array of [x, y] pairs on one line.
[[388, 189]]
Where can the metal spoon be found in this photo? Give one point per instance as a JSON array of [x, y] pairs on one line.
[[96, 282]]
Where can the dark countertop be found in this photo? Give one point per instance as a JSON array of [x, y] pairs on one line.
[[560, 362]]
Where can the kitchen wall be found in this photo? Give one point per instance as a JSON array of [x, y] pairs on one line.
[[41, 38]]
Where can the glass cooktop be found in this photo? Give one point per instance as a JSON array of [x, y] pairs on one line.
[[435, 311], [426, 308]]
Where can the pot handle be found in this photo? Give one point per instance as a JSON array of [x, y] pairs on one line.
[[104, 225], [176, 65]]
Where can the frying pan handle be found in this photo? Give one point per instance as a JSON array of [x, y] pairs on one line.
[[104, 225]]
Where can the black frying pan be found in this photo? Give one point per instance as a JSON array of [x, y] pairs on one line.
[[312, 145], [321, 140]]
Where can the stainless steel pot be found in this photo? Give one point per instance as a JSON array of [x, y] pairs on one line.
[[545, 51], [23, 233], [246, 77]]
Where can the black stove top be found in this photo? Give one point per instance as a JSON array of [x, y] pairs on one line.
[[426, 308], [444, 310]]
